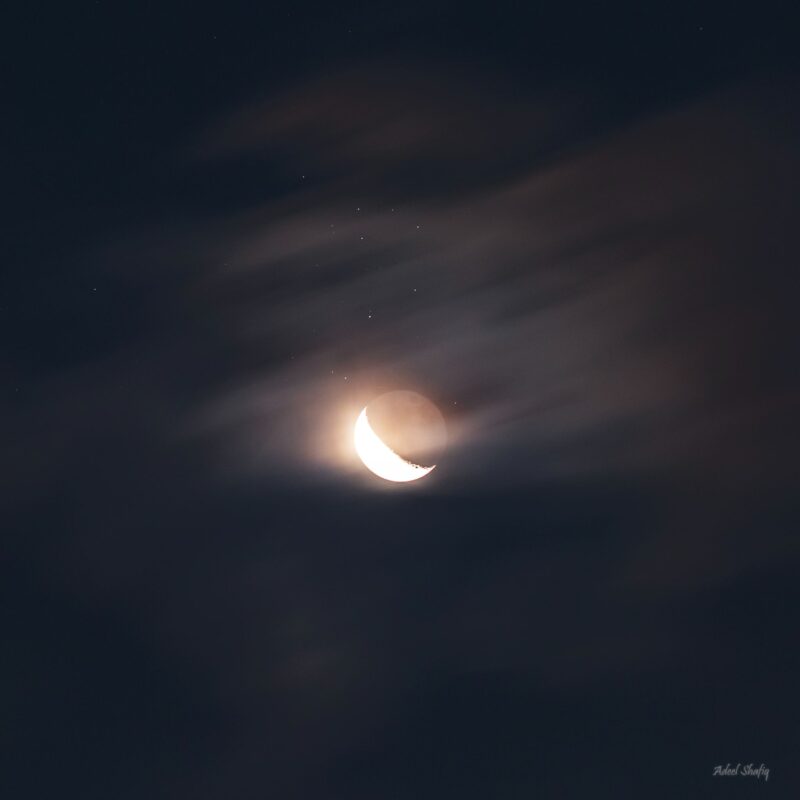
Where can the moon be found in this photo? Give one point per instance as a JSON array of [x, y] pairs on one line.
[[380, 458], [400, 436]]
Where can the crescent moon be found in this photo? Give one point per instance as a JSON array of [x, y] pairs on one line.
[[381, 459]]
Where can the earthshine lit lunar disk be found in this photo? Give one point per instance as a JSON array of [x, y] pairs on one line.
[[381, 459]]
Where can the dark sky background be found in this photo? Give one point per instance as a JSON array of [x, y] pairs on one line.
[[228, 228]]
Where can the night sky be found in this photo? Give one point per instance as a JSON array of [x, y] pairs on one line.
[[227, 229]]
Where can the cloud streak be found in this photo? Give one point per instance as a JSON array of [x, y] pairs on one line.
[[574, 317]]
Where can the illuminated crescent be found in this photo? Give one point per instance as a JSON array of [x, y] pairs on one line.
[[382, 460]]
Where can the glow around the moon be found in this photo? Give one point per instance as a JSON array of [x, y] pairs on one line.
[[381, 459]]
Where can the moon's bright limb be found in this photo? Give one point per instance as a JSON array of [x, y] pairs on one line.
[[380, 459]]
